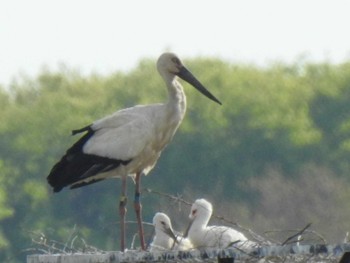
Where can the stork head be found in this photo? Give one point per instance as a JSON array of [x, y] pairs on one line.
[[169, 64], [162, 223], [201, 208], [200, 214]]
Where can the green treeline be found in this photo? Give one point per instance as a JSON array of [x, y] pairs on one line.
[[275, 155]]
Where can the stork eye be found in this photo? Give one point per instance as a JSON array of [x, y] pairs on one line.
[[194, 211], [176, 61], [162, 222]]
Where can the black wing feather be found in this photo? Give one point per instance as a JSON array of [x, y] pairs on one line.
[[75, 165], [85, 183]]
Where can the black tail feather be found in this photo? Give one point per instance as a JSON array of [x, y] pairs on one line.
[[84, 129], [75, 165], [74, 186]]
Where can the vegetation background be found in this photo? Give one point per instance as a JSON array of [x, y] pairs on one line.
[[274, 156]]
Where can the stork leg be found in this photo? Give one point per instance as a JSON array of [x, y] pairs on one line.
[[138, 210], [122, 212]]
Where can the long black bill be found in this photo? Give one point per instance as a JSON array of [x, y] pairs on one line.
[[171, 234], [186, 75], [188, 228]]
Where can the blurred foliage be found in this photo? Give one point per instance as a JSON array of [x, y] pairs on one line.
[[275, 155]]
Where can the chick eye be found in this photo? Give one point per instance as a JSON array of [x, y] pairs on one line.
[[194, 211], [162, 222]]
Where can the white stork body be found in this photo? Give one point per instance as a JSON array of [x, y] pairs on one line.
[[164, 238], [128, 142], [201, 235], [138, 134]]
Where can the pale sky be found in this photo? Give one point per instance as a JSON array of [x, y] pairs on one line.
[[109, 35]]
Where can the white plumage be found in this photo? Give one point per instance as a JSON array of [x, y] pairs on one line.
[[138, 134], [201, 235], [128, 142], [164, 238]]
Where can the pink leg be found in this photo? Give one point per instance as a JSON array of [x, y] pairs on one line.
[[122, 212], [138, 210]]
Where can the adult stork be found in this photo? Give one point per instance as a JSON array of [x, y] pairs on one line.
[[128, 142]]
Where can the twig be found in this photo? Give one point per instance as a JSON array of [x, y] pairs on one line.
[[47, 246], [297, 234], [172, 197]]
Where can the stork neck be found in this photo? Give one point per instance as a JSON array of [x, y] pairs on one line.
[[176, 93], [159, 232], [200, 222]]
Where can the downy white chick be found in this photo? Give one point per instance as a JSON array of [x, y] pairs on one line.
[[164, 238], [201, 235]]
